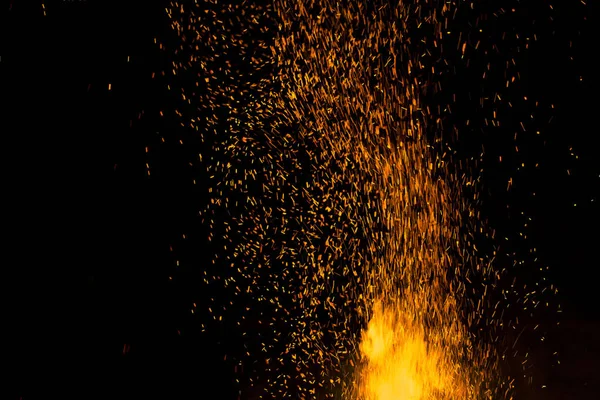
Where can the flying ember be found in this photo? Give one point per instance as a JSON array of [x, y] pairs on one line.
[[340, 226]]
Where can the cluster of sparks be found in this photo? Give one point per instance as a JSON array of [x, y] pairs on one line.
[[343, 230]]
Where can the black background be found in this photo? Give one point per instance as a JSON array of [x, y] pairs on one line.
[[91, 312]]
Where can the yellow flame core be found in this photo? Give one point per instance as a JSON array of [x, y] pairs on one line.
[[401, 364]]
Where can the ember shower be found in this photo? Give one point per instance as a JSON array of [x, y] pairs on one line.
[[336, 216]]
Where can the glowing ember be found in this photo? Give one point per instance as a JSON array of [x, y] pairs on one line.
[[333, 209]]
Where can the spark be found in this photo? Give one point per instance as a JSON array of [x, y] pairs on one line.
[[336, 215]]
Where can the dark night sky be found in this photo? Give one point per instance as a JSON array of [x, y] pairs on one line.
[[89, 232]]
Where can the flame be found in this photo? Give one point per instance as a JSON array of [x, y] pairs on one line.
[[401, 364]]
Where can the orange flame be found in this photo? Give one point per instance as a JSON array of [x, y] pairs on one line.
[[402, 364]]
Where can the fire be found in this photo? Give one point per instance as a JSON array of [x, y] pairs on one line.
[[331, 204], [401, 364]]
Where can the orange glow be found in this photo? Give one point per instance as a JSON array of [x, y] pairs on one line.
[[400, 363]]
